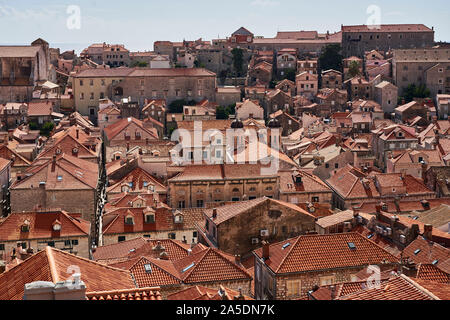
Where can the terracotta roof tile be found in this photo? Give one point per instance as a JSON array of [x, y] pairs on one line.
[[128, 294], [321, 252], [53, 265]]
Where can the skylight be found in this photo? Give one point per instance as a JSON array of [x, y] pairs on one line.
[[188, 267], [417, 251], [435, 262], [148, 268], [287, 245], [351, 245], [60, 178], [370, 236]]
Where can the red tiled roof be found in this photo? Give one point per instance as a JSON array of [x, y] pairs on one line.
[[321, 252], [53, 265], [128, 294], [141, 247], [41, 226], [75, 172], [432, 273], [114, 129], [204, 293], [429, 253], [40, 109], [397, 288]]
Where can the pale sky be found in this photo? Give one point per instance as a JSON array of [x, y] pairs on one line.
[[138, 23]]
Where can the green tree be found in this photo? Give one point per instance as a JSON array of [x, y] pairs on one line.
[[353, 69], [290, 75], [238, 60], [33, 125], [177, 105], [331, 58], [140, 64], [413, 91], [221, 113], [47, 128]]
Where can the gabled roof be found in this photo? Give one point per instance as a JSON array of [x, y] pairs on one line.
[[41, 226], [230, 211], [401, 288], [422, 251], [113, 130], [323, 252], [75, 173], [52, 264], [430, 272], [138, 176], [242, 32]]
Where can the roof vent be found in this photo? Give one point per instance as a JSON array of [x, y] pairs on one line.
[[287, 245], [188, 267]]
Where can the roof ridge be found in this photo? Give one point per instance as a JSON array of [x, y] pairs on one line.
[[87, 260], [287, 255], [419, 287], [52, 264]]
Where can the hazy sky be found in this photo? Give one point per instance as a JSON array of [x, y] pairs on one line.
[[137, 24]]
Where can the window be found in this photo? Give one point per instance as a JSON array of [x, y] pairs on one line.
[[129, 220], [81, 83], [326, 281], [336, 165], [293, 287], [2, 247], [51, 243], [172, 236], [181, 204], [315, 199], [150, 218], [92, 96], [121, 238], [199, 203], [67, 243], [74, 242], [91, 83]]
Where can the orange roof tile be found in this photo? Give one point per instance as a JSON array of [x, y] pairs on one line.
[[321, 252], [54, 265]]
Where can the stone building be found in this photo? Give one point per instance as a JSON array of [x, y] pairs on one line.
[[198, 185], [164, 48], [290, 269], [228, 95], [128, 134], [286, 60], [239, 229], [65, 183], [359, 88], [352, 187], [38, 229], [429, 67], [249, 110], [287, 122], [169, 84], [302, 187], [277, 100], [393, 138], [443, 108], [356, 40], [386, 94], [21, 67], [307, 84], [332, 79]]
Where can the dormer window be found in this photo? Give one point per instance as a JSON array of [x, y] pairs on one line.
[[178, 217], [149, 218], [25, 226], [57, 226], [129, 220]]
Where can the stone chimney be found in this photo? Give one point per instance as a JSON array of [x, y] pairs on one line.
[[214, 215], [64, 290], [428, 232], [78, 133], [266, 250], [237, 259]]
